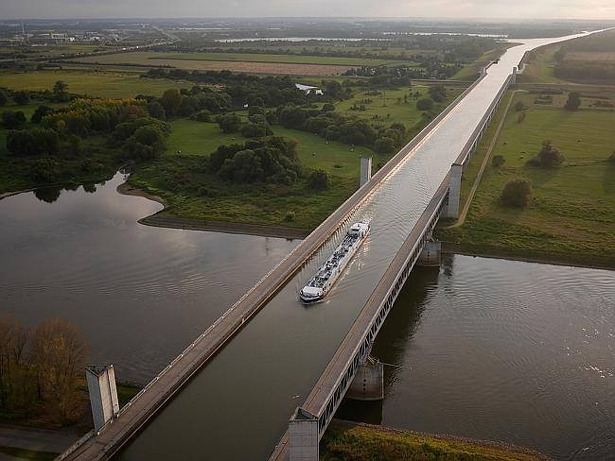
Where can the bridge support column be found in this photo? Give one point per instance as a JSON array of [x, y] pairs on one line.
[[303, 437], [103, 394], [366, 170], [454, 191], [368, 383], [431, 255]]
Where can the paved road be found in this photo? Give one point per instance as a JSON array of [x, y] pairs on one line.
[[36, 439]]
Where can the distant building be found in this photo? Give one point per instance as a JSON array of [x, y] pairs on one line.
[[308, 89]]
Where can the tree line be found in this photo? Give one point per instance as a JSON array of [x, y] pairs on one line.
[[40, 368]]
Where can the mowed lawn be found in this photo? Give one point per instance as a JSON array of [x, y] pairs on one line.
[[99, 84], [572, 214]]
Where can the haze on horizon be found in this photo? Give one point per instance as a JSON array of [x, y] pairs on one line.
[[445, 9]]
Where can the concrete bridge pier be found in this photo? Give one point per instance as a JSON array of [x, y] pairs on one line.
[[368, 383], [431, 256], [454, 191], [303, 436], [366, 170]]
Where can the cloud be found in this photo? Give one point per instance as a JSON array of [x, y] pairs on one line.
[[579, 9]]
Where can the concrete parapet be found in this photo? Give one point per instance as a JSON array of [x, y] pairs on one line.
[[368, 383]]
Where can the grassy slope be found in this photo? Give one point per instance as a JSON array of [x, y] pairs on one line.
[[361, 443], [572, 214]]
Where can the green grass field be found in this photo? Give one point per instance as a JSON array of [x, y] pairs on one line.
[[344, 441], [180, 178], [572, 214], [100, 84]]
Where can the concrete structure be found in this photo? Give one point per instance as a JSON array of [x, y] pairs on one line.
[[326, 396], [103, 394], [368, 384], [454, 194], [431, 256], [366, 170]]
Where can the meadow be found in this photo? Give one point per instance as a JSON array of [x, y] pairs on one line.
[[89, 82], [571, 217]]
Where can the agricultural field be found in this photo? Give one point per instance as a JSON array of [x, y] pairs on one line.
[[237, 62], [589, 60], [571, 217], [92, 83]]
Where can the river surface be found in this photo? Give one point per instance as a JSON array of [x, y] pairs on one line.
[[140, 294]]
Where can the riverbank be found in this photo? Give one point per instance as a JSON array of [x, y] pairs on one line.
[[357, 441], [169, 221]]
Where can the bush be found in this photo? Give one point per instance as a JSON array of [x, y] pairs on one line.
[[424, 104], [574, 101], [290, 216], [318, 180], [497, 161], [517, 193], [548, 157], [520, 106]]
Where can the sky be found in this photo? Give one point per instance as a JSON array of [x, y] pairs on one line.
[[506, 9]]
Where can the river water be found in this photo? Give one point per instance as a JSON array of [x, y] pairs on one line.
[[139, 294]]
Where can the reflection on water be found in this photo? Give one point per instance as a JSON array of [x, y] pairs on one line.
[[503, 350], [140, 294]]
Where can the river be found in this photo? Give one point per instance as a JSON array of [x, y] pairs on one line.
[[140, 294]]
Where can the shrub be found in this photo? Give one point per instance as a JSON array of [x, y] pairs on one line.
[[497, 161], [517, 193], [548, 157], [424, 104], [318, 180]]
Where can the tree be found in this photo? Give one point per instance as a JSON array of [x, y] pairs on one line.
[[21, 98], [520, 106], [318, 180], [517, 193], [574, 101], [59, 354], [60, 91], [437, 93], [497, 161], [255, 130], [4, 97], [13, 120], [171, 99], [156, 110], [611, 158], [40, 112], [229, 123], [384, 145], [548, 157], [244, 167], [425, 104]]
